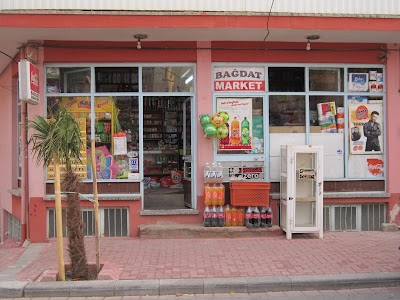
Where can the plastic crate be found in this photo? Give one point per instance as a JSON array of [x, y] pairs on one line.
[[244, 193]]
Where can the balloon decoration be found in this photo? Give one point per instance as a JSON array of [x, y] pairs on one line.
[[214, 126]]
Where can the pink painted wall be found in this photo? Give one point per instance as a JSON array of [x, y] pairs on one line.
[[204, 106], [8, 141]]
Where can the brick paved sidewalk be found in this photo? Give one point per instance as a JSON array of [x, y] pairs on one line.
[[9, 252], [337, 253]]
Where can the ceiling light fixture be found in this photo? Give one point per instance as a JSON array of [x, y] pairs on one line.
[[139, 37], [309, 39]]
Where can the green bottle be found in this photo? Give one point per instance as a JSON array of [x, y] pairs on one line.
[[245, 132]]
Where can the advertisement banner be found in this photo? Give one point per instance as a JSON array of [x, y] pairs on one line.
[[240, 129], [28, 82], [239, 79], [366, 128]]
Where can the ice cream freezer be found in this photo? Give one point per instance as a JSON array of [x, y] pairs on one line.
[[301, 189]]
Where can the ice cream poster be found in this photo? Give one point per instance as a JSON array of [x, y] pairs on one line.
[[239, 123], [366, 128]]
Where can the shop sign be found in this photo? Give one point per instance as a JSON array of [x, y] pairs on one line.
[[239, 79], [28, 82], [366, 128]]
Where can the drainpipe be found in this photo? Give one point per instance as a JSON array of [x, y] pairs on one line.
[[24, 171]]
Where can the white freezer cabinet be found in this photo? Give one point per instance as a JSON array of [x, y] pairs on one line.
[[301, 189]]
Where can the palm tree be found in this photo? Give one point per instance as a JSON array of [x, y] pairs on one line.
[[58, 141]]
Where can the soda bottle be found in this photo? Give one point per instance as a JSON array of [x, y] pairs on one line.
[[263, 216], [256, 217], [249, 218], [221, 217], [241, 217], [234, 217], [269, 217], [221, 194], [228, 216], [214, 217], [245, 132], [219, 171], [207, 217], [207, 195], [214, 197], [235, 132], [212, 171], [207, 171]]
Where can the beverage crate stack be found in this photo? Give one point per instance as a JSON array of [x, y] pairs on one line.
[[253, 195]]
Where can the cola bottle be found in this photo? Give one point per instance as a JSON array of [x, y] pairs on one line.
[[269, 217], [221, 217], [256, 217], [214, 217], [263, 216], [249, 218], [207, 217]]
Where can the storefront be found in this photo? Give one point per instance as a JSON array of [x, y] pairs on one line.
[[142, 106]]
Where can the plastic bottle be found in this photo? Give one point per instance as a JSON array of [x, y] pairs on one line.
[[249, 218], [269, 217], [207, 171], [207, 217], [235, 132], [207, 195], [214, 197], [263, 217], [214, 217], [221, 217], [221, 194], [219, 171], [212, 171], [241, 217], [245, 132], [234, 217], [256, 217], [228, 216]]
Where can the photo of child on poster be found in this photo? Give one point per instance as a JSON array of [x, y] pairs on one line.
[[366, 128]]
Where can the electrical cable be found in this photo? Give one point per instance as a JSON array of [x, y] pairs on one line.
[[269, 15], [8, 56]]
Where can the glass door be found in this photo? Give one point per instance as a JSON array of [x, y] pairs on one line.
[[305, 200], [187, 152]]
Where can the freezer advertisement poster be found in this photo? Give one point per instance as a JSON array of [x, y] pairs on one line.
[[366, 129], [239, 79], [239, 127]]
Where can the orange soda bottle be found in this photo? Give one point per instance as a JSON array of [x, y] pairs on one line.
[[207, 195], [235, 218], [235, 132], [228, 216], [214, 197], [221, 194], [241, 217]]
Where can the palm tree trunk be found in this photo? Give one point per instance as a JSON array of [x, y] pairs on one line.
[[60, 249]]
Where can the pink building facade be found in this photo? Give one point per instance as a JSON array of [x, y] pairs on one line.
[[142, 106]]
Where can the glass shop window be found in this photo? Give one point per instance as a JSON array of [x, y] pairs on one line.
[[286, 79], [68, 80], [117, 80], [326, 79], [243, 128], [168, 79], [287, 114], [116, 134]]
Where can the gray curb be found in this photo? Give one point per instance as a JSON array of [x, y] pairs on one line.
[[102, 288]]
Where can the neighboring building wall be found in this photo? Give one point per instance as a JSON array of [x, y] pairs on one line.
[[392, 133]]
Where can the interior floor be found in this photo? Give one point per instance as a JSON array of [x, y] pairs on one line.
[[163, 198]]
